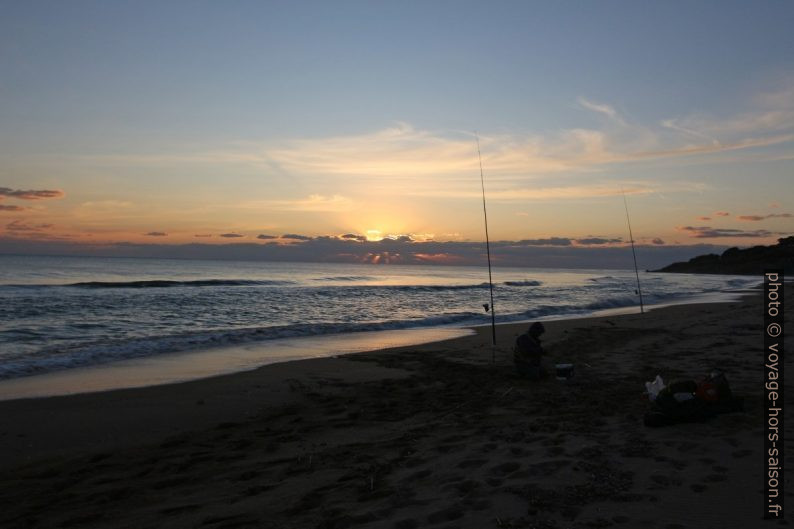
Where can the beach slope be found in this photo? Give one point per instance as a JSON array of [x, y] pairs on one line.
[[424, 436]]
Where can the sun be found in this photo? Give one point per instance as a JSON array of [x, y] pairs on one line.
[[374, 235]]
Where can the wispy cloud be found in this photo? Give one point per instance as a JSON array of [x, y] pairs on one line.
[[19, 225], [404, 160], [296, 237], [315, 202], [601, 108], [755, 218], [156, 234], [405, 151], [31, 194], [4, 207], [707, 232]]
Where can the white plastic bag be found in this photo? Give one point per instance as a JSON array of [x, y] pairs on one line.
[[653, 388]]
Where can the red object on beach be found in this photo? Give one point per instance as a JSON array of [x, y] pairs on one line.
[[707, 391]]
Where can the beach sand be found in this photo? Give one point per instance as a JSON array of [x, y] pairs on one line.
[[422, 436]]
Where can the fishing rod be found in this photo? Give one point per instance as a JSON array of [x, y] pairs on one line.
[[633, 253], [488, 251]]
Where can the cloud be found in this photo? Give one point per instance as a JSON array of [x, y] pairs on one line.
[[264, 237], [721, 214], [11, 208], [703, 218], [231, 235], [750, 217], [296, 237], [768, 114], [397, 238], [203, 235], [156, 234], [354, 237], [755, 218], [414, 154], [600, 108], [18, 225], [540, 191], [657, 241], [676, 126], [335, 249], [551, 241], [598, 241], [400, 159], [707, 232], [31, 194], [315, 202]]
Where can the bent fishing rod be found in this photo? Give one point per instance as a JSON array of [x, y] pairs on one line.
[[633, 253], [488, 252]]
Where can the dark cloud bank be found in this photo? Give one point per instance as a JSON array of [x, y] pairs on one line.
[[557, 252]]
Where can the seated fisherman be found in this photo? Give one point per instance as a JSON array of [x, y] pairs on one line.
[[528, 352]]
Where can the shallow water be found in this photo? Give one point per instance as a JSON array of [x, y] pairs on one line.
[[64, 312]]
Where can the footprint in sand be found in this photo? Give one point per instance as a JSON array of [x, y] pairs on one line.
[[179, 509], [466, 486], [662, 482], [420, 474], [555, 451], [480, 504], [505, 468], [472, 463], [451, 513]]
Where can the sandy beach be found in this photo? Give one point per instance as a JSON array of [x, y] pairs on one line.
[[422, 436]]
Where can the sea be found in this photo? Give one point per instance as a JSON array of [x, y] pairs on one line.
[[62, 313]]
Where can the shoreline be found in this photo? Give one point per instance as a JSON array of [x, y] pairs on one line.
[[198, 364], [418, 436]]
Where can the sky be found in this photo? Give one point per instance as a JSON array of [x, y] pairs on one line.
[[158, 126]]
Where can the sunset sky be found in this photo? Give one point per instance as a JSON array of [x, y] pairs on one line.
[[168, 123]]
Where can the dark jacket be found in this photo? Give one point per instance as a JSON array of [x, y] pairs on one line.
[[527, 350]]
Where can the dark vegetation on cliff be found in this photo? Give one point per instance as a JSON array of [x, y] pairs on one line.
[[747, 261]]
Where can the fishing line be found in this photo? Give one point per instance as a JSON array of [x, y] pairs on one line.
[[633, 253], [488, 251]]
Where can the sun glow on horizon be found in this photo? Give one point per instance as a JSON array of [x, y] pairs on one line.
[[374, 235]]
